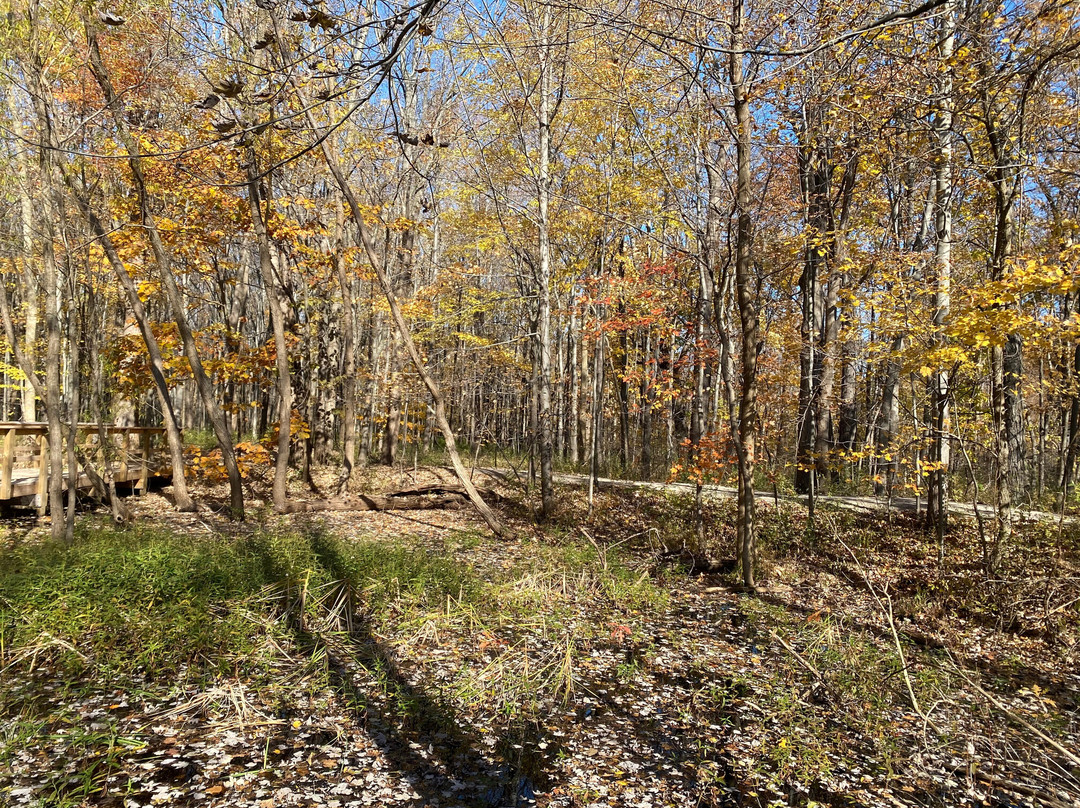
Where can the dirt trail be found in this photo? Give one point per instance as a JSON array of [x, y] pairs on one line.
[[863, 504]]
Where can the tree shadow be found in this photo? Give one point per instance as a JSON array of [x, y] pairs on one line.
[[419, 732]]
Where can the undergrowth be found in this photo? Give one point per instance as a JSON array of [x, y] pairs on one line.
[[591, 607]]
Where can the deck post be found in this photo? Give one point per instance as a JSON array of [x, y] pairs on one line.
[[7, 464], [43, 474], [144, 462], [102, 458], [122, 470]]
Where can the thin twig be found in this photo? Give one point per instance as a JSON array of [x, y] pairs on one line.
[[796, 654]]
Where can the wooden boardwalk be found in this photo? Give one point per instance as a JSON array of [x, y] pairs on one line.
[[133, 455]]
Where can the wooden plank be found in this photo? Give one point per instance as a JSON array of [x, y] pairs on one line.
[[7, 464]]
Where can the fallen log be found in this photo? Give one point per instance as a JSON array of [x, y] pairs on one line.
[[420, 498], [431, 489]]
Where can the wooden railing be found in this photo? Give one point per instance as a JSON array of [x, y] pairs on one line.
[[24, 459]]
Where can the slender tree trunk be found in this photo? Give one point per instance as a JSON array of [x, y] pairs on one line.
[[669, 431], [392, 435], [648, 399], [74, 410], [937, 505], [809, 363], [888, 423], [373, 362], [1003, 494], [585, 412], [1014, 414], [747, 304], [348, 426], [559, 390], [30, 274], [277, 321], [830, 333], [625, 455], [1004, 378], [50, 282], [575, 387], [52, 364], [544, 116], [599, 366], [849, 403], [1044, 426]]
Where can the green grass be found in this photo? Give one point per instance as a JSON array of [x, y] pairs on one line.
[[147, 609], [121, 600], [117, 601]]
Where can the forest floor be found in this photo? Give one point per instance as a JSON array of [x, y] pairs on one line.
[[409, 658]]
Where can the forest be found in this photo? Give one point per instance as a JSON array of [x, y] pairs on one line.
[[637, 402]]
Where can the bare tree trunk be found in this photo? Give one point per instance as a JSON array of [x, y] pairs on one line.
[[1003, 495], [1044, 426], [371, 405], [544, 117], [809, 363], [558, 391], [599, 366], [393, 404], [575, 387], [74, 410], [348, 426], [30, 275], [849, 404], [585, 412], [311, 387], [1014, 414], [888, 423], [648, 397], [830, 333], [626, 458], [50, 281], [52, 364]]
